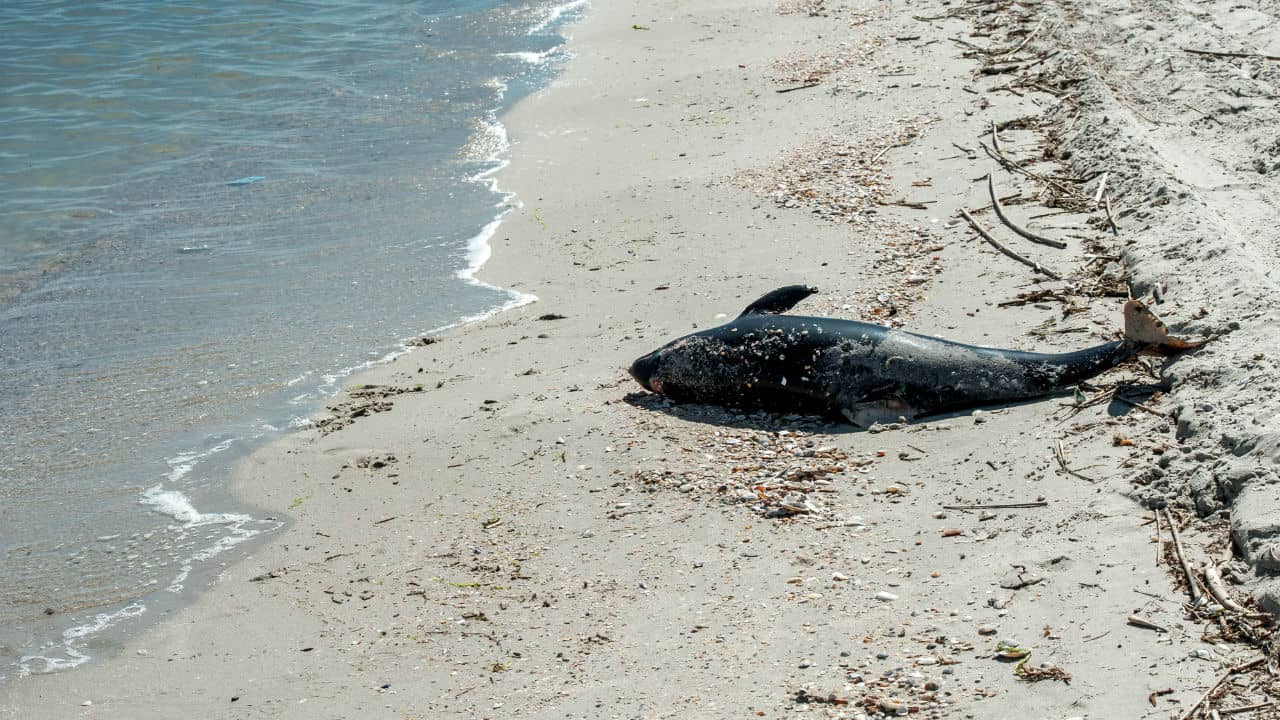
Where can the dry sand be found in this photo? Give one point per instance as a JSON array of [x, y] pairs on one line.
[[531, 536]]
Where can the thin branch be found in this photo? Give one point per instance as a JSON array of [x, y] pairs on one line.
[[1062, 462], [1033, 237], [1006, 506], [1192, 587], [1102, 187], [1026, 39], [1239, 54], [1232, 671], [999, 246]]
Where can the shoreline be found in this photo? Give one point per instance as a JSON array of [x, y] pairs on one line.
[[108, 623], [163, 485], [530, 535]]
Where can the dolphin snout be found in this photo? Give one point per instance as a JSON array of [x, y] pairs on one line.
[[644, 368]]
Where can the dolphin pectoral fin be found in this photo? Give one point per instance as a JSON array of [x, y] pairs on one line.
[[780, 300], [866, 414], [1142, 326]]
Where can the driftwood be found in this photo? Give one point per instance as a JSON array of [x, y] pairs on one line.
[[1231, 54], [1214, 688], [1192, 586], [1033, 237], [1213, 581]]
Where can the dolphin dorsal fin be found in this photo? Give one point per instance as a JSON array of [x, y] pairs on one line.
[[779, 301]]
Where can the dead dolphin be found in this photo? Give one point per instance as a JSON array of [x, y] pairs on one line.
[[866, 372]]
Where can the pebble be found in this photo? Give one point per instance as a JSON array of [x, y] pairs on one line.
[[890, 705], [886, 596], [987, 629], [839, 576]]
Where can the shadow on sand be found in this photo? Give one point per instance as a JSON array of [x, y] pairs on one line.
[[1126, 398]]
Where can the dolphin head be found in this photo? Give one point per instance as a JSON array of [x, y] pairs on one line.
[[645, 370], [694, 368]]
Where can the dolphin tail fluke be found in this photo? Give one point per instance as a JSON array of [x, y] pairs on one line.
[[780, 300], [1143, 327]]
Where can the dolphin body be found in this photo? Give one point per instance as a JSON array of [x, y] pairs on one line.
[[867, 372]]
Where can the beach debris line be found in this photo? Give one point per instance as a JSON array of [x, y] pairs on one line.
[[362, 401], [842, 179], [780, 473]]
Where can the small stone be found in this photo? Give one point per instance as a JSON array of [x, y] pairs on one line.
[[891, 705], [839, 576], [987, 629], [886, 596]]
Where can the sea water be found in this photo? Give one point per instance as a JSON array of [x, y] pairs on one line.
[[210, 213]]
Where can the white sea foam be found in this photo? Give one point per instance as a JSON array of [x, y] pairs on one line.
[[556, 13], [72, 652], [178, 506], [181, 465]]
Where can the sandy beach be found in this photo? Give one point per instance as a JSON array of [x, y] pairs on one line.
[[503, 524]]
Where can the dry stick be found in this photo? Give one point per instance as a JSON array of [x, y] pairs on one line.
[[1140, 406], [1044, 59], [1000, 69], [1213, 581], [1232, 671], [1144, 623], [1110, 220], [1026, 39], [1033, 237], [995, 138], [1062, 462], [1220, 53], [999, 246], [1011, 166], [1158, 543], [1006, 506], [1102, 187], [1249, 708], [798, 87], [1192, 587], [880, 154]]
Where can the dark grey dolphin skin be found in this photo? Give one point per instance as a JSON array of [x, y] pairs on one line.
[[866, 372]]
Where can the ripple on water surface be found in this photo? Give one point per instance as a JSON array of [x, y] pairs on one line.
[[210, 213]]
